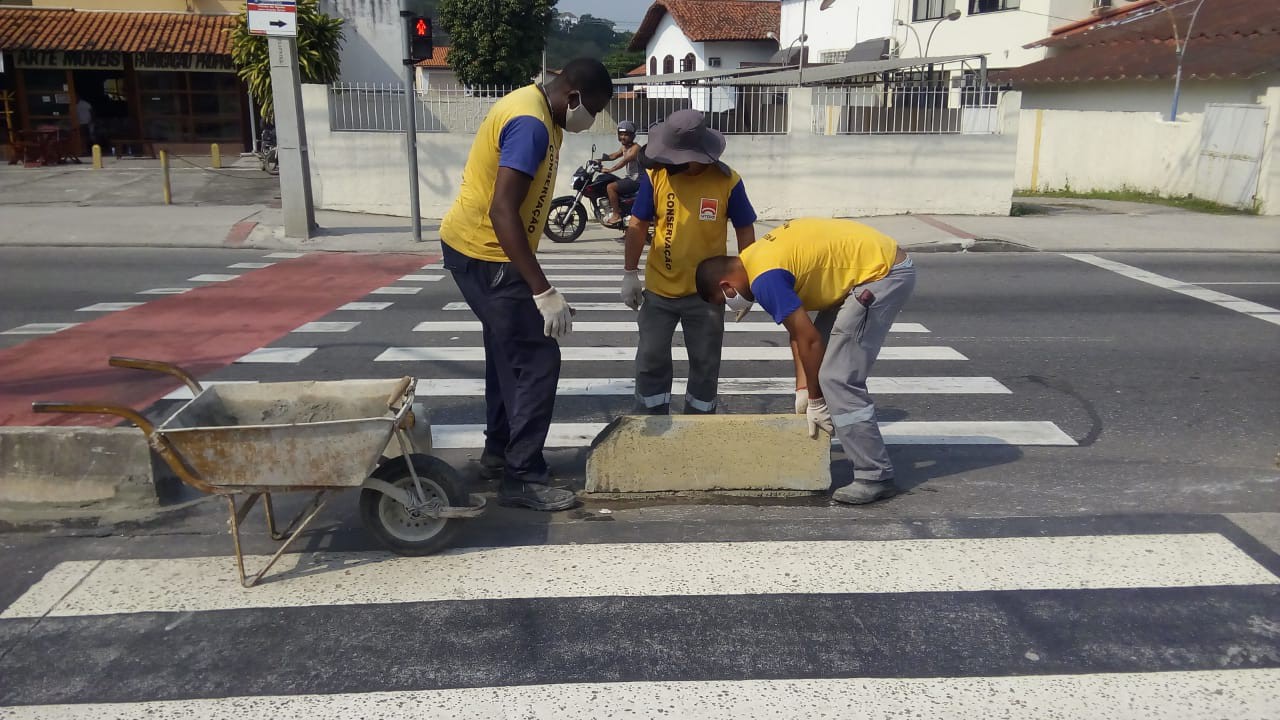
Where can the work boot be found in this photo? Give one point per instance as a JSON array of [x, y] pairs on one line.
[[492, 466], [861, 492], [535, 496]]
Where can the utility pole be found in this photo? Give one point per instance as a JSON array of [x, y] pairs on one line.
[[411, 120], [291, 138], [1180, 45]]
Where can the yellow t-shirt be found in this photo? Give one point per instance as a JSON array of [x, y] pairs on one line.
[[467, 228], [827, 257], [692, 221]]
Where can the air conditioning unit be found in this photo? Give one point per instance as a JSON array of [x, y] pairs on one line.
[[1100, 7]]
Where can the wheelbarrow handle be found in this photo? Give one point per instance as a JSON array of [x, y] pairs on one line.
[[397, 398], [158, 367], [89, 409]]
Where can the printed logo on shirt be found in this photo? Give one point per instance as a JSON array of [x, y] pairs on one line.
[[710, 209]]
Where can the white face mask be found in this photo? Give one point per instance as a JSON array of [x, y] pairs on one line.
[[737, 303], [578, 119]]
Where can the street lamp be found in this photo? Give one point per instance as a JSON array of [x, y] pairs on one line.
[[919, 45], [804, 31], [952, 17], [1180, 47]]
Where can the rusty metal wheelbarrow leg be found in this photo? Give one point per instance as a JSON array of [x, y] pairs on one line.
[[302, 520]]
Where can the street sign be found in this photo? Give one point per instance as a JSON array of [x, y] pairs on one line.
[[278, 18]]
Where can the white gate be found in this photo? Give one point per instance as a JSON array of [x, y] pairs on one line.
[[1231, 154]]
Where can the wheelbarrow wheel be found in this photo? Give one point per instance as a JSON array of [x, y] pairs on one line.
[[394, 525]]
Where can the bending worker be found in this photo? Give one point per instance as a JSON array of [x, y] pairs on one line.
[[857, 279], [693, 197]]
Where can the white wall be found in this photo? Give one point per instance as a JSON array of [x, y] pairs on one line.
[[373, 47], [669, 39], [1142, 96], [733, 53], [786, 175], [839, 27], [1000, 34]]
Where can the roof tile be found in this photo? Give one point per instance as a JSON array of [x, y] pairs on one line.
[[712, 20], [129, 32]]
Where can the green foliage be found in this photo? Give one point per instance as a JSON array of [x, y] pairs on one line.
[[496, 42], [591, 37], [320, 40], [621, 62], [1128, 194]]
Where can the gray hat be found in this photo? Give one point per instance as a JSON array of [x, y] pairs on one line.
[[626, 126], [683, 138]]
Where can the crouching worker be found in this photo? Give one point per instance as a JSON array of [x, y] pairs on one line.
[[857, 279], [693, 197]]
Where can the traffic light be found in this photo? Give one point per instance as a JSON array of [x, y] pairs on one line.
[[420, 45]]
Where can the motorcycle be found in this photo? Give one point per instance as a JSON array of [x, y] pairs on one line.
[[268, 161], [567, 216]]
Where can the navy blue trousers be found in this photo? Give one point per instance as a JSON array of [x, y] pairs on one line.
[[522, 365]]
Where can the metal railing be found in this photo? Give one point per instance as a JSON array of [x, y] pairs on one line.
[[731, 110], [380, 107], [891, 109]]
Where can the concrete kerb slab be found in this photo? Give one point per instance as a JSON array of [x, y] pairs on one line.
[[73, 467], [742, 454]]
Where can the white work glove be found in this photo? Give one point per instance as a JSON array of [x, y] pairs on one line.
[[802, 400], [819, 418], [557, 318], [632, 289]]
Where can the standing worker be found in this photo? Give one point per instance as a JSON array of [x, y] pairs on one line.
[[488, 239], [693, 197], [858, 279]]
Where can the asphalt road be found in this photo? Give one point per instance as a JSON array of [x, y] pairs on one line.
[[1156, 588]]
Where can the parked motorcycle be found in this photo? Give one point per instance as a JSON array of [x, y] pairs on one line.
[[567, 217], [267, 158]]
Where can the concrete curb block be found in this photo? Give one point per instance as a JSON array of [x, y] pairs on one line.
[[75, 466], [746, 453]]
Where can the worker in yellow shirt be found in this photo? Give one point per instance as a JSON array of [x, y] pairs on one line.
[[857, 279], [693, 197], [488, 240]]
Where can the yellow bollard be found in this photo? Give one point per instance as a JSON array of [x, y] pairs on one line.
[[97, 157], [164, 171], [216, 152]]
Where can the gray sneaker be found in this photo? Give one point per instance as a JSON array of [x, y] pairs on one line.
[[535, 496], [861, 492]]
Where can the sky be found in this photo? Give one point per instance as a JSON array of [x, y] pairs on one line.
[[626, 13]]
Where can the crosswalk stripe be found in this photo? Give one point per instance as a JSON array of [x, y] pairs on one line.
[[901, 432], [200, 584], [39, 329], [616, 265], [553, 256], [422, 278], [474, 387], [108, 307], [581, 326], [465, 354], [1245, 694], [282, 355]]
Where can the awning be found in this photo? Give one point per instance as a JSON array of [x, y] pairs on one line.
[[126, 32], [684, 77]]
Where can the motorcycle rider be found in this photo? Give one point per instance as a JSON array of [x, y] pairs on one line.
[[628, 156]]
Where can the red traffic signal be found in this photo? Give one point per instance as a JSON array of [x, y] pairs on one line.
[[420, 45]]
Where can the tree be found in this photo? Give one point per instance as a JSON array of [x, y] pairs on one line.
[[496, 42], [621, 62], [591, 37], [319, 53]]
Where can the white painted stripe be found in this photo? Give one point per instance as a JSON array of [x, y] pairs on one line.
[[422, 278], [365, 306], [184, 393], [455, 326], [203, 584], [109, 307], [250, 266], [474, 387], [1230, 302], [1240, 282], [1269, 317], [553, 256], [396, 290], [166, 291], [327, 327], [277, 355], [612, 280], [286, 255], [728, 354], [1237, 694], [39, 329], [616, 265], [903, 432], [212, 278]]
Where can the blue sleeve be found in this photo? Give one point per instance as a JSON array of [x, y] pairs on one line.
[[644, 209], [775, 290], [523, 144], [741, 214]]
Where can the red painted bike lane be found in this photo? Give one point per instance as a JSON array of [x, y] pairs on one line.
[[202, 331]]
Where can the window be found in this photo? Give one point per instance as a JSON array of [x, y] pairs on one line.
[[689, 63], [653, 66], [713, 62], [190, 106], [931, 9], [977, 7], [833, 56], [668, 65]]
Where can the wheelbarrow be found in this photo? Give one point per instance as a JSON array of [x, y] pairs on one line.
[[248, 441]]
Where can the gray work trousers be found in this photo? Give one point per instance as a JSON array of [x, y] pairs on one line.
[[703, 325], [854, 335]]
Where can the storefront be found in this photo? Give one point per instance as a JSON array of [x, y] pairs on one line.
[[132, 82]]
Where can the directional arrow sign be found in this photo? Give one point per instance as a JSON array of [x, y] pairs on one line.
[[278, 18]]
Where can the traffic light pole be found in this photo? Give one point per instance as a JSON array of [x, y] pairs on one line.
[[411, 122]]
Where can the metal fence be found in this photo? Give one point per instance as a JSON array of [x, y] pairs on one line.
[[377, 107], [889, 109], [731, 110]]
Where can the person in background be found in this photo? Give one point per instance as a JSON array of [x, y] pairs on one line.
[[488, 239], [84, 117], [628, 157]]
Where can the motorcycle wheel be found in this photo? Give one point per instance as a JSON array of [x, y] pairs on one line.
[[566, 220]]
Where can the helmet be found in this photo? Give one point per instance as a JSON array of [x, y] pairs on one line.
[[626, 126]]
